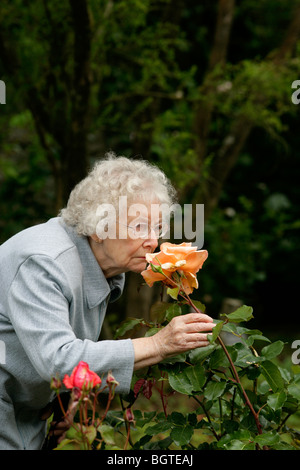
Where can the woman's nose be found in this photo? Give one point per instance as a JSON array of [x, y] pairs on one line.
[[152, 241]]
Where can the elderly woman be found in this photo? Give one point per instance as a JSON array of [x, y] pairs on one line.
[[56, 281]]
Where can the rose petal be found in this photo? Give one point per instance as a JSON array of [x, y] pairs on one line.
[[194, 261], [151, 277], [182, 248], [67, 381], [180, 263]]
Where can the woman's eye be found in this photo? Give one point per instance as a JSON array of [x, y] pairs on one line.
[[142, 228]]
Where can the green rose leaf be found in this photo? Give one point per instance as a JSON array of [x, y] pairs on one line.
[[188, 380], [244, 356], [196, 376], [199, 354], [199, 305], [214, 390], [267, 439], [219, 359], [242, 314], [177, 418], [291, 405], [216, 331], [173, 292], [182, 435], [272, 375], [235, 444], [90, 433], [294, 390], [107, 433], [68, 444], [158, 311], [181, 383], [174, 310], [128, 325], [157, 428], [272, 350], [276, 400]]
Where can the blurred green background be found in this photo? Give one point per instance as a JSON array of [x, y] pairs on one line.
[[202, 89]]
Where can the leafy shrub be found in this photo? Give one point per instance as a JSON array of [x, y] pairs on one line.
[[244, 398]]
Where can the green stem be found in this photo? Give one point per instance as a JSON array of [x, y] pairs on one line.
[[221, 415], [232, 407], [61, 405], [128, 436], [94, 409], [283, 421], [107, 404], [207, 417], [127, 426], [235, 373], [161, 392], [74, 425]]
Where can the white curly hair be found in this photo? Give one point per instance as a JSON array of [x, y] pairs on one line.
[[109, 179]]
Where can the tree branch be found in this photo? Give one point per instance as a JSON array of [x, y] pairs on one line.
[[75, 152], [82, 49], [222, 33], [204, 108], [241, 127], [292, 36]]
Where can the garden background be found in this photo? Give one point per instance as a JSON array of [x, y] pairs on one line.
[[202, 89]]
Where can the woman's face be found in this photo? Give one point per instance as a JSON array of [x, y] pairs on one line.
[[134, 239]]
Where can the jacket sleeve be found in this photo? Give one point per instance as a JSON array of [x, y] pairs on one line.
[[38, 308]]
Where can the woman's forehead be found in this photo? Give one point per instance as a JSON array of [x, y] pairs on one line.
[[144, 211]]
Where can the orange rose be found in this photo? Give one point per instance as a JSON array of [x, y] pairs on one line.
[[183, 258]]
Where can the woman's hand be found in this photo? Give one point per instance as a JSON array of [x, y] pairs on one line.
[[59, 424], [182, 334]]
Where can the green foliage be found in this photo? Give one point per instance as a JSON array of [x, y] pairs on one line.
[[244, 398], [207, 377], [26, 194], [147, 63]]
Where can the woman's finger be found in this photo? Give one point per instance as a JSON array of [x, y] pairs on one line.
[[196, 337], [198, 344], [196, 317], [198, 327]]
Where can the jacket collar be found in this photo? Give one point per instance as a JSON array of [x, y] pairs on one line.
[[95, 285]]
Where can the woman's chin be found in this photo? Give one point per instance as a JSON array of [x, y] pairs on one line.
[[139, 267]]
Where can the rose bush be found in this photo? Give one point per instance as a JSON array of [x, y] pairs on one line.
[[245, 398], [83, 416]]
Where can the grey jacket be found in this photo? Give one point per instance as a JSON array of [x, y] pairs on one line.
[[53, 299]]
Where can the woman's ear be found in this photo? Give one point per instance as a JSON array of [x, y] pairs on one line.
[[96, 238]]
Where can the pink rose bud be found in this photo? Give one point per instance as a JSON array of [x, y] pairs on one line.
[[82, 377], [55, 383], [129, 416], [76, 393], [111, 380]]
